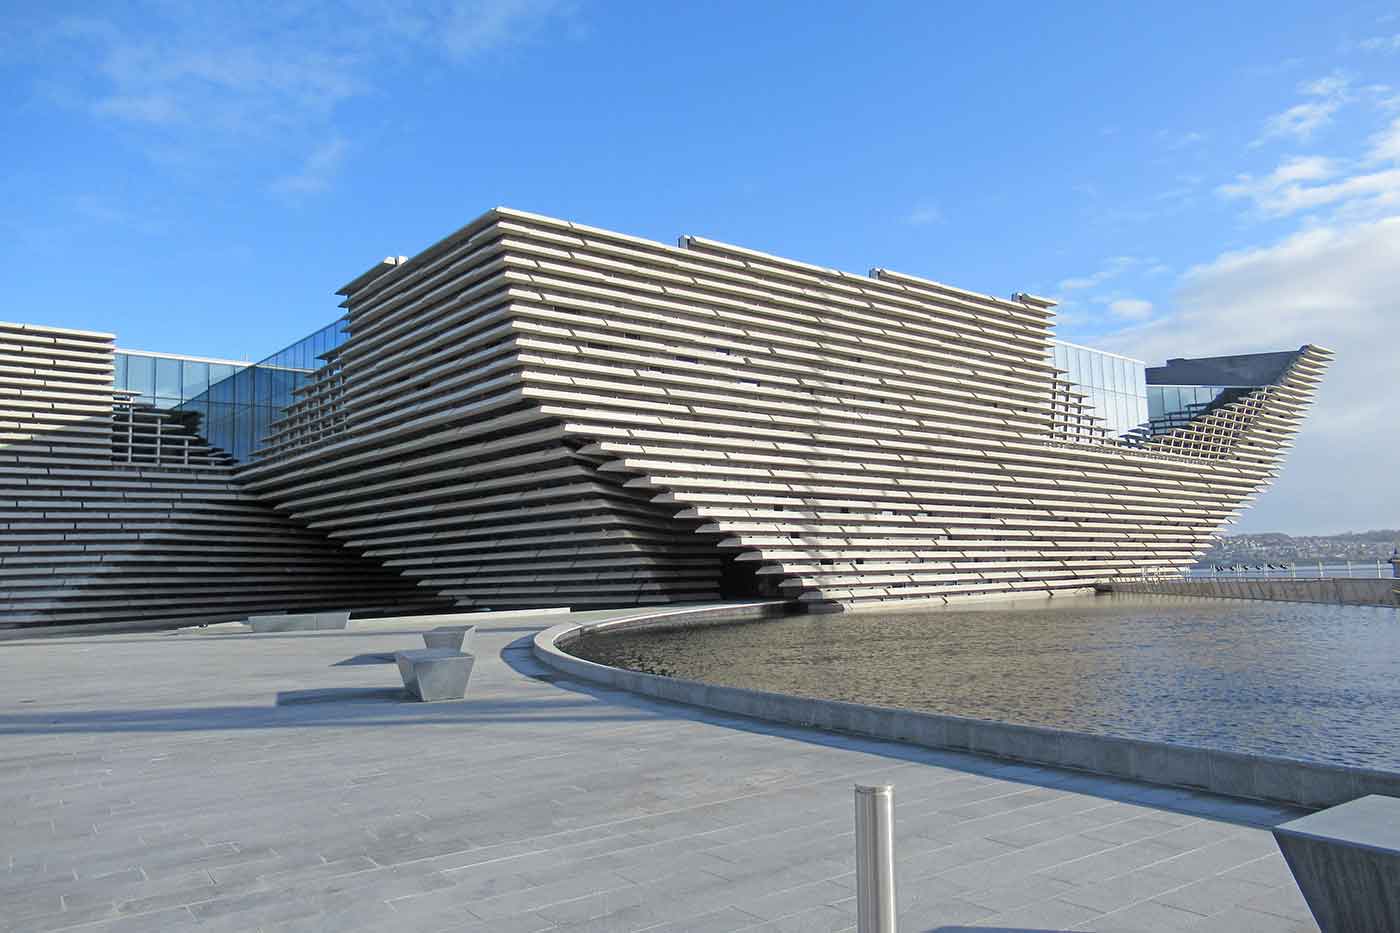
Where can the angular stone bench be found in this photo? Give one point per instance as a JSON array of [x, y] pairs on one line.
[[300, 622], [433, 674], [1346, 860], [453, 637]]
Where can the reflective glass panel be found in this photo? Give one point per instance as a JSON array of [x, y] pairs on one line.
[[168, 378], [218, 371], [141, 375], [194, 378]]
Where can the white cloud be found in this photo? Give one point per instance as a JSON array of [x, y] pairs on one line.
[[1302, 120], [220, 81], [143, 108], [1301, 184], [317, 172], [1366, 186], [923, 215], [1112, 268], [1382, 43], [1133, 309], [1180, 140], [1335, 286], [1330, 86], [1385, 145]]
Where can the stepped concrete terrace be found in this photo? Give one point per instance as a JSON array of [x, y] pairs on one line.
[[214, 781]]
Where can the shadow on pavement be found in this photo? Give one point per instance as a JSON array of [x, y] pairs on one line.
[[343, 695], [358, 659]]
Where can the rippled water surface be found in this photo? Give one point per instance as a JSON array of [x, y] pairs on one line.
[[1303, 681]]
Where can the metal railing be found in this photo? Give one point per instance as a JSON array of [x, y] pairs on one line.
[[1305, 570]]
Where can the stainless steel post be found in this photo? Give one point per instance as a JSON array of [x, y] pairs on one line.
[[875, 904]]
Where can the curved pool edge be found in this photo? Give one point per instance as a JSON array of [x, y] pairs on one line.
[[1312, 785]]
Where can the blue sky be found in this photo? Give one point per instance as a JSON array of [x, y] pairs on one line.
[[1185, 178]]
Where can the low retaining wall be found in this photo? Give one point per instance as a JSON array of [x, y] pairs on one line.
[[1236, 774], [1345, 591]]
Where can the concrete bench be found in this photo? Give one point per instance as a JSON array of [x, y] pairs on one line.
[[1346, 860], [300, 622], [453, 637], [432, 674]]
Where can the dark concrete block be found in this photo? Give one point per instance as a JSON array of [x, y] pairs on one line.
[[1346, 860]]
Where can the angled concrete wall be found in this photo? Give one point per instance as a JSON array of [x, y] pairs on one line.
[[109, 515], [533, 411]]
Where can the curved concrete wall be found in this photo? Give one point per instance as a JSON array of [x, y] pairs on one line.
[[1279, 780]]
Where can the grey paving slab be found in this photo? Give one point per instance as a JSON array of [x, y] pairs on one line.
[[261, 784], [1148, 915]]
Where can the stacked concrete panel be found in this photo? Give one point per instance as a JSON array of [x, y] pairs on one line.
[[418, 447], [537, 412], [113, 513]]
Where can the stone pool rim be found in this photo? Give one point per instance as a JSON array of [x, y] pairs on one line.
[[1296, 783]]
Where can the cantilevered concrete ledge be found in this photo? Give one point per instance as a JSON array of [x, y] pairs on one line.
[[1262, 777]]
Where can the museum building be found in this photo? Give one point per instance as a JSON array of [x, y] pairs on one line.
[[533, 412]]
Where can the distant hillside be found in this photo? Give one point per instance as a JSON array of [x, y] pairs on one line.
[[1274, 547]]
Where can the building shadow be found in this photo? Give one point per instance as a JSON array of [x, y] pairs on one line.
[[338, 707], [343, 695], [996, 930]]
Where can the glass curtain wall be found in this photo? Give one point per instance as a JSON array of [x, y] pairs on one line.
[[231, 406], [167, 381], [1172, 407], [1116, 385]]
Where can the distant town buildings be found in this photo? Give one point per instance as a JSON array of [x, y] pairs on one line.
[[1303, 549]]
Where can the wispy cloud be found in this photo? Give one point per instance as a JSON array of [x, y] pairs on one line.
[[1111, 269], [207, 82], [1330, 281], [1177, 140], [317, 172], [1368, 185], [1325, 95], [1385, 145], [924, 215], [1132, 309], [1332, 285], [1381, 43]]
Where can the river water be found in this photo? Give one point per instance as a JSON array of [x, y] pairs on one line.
[[1320, 683]]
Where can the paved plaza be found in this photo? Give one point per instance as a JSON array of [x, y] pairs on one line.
[[281, 782]]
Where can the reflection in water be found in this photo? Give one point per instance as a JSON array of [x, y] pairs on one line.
[[1303, 681]]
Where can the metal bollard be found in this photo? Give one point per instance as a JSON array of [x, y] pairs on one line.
[[875, 904]]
